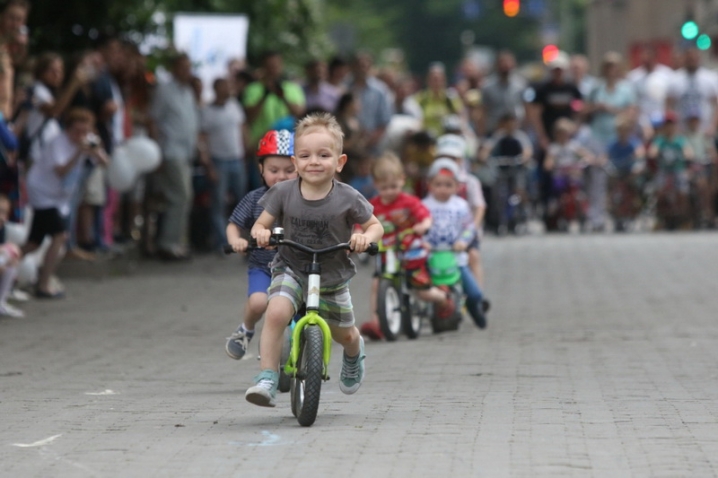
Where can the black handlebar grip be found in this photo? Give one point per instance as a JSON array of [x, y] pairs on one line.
[[227, 248], [373, 249]]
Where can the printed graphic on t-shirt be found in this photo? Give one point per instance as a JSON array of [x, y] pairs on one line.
[[311, 229]]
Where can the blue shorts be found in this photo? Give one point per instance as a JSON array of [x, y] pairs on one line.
[[259, 280]]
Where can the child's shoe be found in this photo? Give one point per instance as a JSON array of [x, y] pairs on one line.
[[264, 391], [238, 343], [372, 330], [352, 373], [7, 310]]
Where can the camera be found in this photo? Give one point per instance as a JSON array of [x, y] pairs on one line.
[[92, 140]]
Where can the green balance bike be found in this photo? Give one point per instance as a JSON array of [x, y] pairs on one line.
[[311, 340], [445, 272]]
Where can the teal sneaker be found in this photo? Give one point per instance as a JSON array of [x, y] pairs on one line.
[[264, 391], [352, 371]]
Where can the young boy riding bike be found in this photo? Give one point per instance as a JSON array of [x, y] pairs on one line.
[[398, 211], [275, 165], [317, 211]]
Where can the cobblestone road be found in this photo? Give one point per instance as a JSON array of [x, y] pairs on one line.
[[600, 360]]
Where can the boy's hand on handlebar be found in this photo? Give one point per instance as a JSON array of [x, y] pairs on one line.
[[359, 242], [262, 236], [460, 246], [420, 228], [239, 245]]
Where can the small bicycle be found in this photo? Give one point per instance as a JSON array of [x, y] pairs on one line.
[[311, 340], [507, 194], [398, 308]]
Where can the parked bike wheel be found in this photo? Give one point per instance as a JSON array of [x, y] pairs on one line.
[[389, 308], [411, 315], [306, 386], [284, 379]]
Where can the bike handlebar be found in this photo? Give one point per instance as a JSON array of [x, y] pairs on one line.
[[273, 241]]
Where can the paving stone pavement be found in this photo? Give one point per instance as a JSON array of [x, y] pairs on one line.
[[599, 361]]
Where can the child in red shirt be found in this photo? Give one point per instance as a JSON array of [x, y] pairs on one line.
[[398, 211]]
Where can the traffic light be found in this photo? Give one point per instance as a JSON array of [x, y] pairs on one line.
[[689, 30], [703, 42], [549, 53], [512, 8]]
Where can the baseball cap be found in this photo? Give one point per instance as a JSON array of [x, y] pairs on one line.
[[561, 61], [276, 143], [443, 164], [451, 145]]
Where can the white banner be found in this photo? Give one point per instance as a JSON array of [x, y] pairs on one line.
[[211, 41]]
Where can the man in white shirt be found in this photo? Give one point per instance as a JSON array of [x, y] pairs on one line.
[[694, 91], [176, 127], [224, 135], [651, 81]]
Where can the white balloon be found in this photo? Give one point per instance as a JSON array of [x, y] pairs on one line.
[[121, 174], [27, 270], [16, 233], [143, 153]]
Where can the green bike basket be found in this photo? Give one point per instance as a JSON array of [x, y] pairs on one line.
[[444, 268]]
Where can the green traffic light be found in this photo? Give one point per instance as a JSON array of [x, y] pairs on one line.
[[689, 30], [703, 42]]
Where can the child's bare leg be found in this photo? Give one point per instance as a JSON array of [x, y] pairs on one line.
[[254, 308], [279, 311], [53, 256], [432, 294], [347, 337], [475, 265]]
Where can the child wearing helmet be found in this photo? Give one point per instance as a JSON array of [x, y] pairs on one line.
[[274, 156]]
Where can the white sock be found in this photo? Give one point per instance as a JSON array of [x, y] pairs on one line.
[[6, 282]]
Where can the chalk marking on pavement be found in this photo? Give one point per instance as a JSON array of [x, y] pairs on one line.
[[38, 443], [270, 440], [106, 392]]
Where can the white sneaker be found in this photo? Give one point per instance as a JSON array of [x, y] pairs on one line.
[[19, 296], [8, 310]]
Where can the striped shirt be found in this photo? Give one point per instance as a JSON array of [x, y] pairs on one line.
[[244, 215]]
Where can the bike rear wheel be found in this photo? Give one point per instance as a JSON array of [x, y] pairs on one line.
[[389, 309], [306, 385]]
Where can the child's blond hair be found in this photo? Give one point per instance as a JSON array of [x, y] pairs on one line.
[[321, 121], [387, 167]]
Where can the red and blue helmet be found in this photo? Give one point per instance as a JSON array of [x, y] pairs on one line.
[[276, 143]]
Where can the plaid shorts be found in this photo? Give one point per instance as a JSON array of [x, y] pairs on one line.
[[335, 303]]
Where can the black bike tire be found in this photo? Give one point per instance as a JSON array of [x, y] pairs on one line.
[[407, 318], [384, 286], [310, 367]]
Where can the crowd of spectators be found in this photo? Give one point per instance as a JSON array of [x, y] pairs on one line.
[[62, 118]]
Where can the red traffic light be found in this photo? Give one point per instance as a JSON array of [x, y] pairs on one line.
[[549, 53], [512, 8]]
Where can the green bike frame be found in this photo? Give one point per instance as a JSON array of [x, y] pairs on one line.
[[311, 318]]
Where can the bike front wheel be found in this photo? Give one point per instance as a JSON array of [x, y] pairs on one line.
[[306, 385], [411, 315], [389, 308]]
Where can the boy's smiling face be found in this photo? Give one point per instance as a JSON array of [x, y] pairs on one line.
[[316, 157]]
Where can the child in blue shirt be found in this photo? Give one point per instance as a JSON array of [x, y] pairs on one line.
[[275, 164]]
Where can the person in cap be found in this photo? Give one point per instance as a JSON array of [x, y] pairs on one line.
[[453, 228], [274, 156]]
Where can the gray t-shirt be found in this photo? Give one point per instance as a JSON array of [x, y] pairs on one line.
[[317, 224]]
